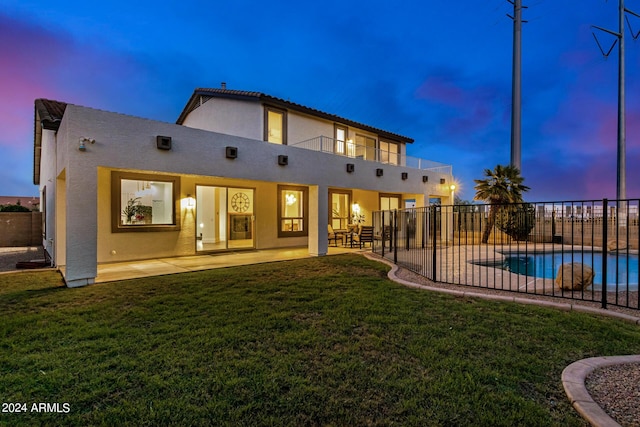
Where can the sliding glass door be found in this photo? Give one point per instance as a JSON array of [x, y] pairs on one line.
[[224, 218]]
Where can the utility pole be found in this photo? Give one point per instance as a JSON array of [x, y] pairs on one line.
[[516, 85], [621, 187]]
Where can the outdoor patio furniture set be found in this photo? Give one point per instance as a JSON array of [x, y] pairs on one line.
[[354, 235]]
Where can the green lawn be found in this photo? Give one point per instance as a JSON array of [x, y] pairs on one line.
[[322, 341]]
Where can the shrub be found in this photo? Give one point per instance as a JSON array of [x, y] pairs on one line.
[[14, 208], [516, 220]]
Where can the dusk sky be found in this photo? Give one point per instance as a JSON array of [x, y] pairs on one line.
[[438, 71]]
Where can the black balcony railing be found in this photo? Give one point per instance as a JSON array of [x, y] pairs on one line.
[[585, 250]]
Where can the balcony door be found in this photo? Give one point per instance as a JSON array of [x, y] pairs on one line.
[[224, 218]]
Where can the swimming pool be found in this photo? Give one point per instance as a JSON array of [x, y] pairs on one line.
[[622, 269]]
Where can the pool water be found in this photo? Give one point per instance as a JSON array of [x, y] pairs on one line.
[[622, 269]]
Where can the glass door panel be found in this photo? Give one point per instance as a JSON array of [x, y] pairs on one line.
[[224, 218], [241, 233]]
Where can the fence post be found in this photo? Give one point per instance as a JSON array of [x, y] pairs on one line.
[[605, 237], [434, 259], [382, 232], [407, 227], [395, 236]]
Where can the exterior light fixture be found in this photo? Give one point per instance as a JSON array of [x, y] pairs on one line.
[[83, 143], [290, 199], [425, 178], [405, 175], [452, 187], [350, 167], [379, 172], [443, 181], [283, 160]]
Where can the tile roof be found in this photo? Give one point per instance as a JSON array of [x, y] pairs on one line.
[[50, 112], [47, 115], [278, 102]]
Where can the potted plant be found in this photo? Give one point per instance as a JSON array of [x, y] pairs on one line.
[[130, 210]]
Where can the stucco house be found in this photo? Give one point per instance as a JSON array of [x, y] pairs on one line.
[[238, 170]]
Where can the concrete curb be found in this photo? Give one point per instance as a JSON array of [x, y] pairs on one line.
[[573, 378], [574, 375]]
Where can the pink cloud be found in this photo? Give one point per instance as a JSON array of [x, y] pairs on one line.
[[471, 110], [42, 63], [441, 90]]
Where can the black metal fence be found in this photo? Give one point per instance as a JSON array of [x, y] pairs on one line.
[[585, 250]]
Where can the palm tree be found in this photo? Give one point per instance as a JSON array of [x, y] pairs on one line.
[[502, 185]]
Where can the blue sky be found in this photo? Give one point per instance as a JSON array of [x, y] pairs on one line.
[[438, 71]]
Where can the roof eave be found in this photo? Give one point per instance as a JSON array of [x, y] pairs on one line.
[[284, 104], [44, 119]]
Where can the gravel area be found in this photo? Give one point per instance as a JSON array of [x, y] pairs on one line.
[[616, 389]]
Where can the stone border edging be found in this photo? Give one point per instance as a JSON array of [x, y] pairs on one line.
[[574, 375], [573, 378]]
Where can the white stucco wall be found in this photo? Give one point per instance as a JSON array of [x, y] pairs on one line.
[[302, 128], [198, 157], [228, 116], [48, 174]]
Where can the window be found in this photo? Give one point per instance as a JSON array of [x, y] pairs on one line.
[[142, 202], [389, 202], [365, 147], [341, 139], [275, 125], [293, 207], [389, 153], [340, 209]]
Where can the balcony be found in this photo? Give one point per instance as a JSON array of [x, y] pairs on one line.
[[370, 153]]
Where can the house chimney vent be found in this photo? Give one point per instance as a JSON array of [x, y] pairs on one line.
[[223, 85]]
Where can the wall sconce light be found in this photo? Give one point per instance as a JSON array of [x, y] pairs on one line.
[[83, 143], [191, 202], [443, 181], [231, 152], [350, 167], [425, 178], [405, 175], [283, 160], [379, 172], [355, 208]]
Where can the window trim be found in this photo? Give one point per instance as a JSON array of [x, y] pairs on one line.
[[268, 108], [116, 208], [305, 213]]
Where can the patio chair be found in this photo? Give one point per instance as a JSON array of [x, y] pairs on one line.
[[365, 234], [333, 235]]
